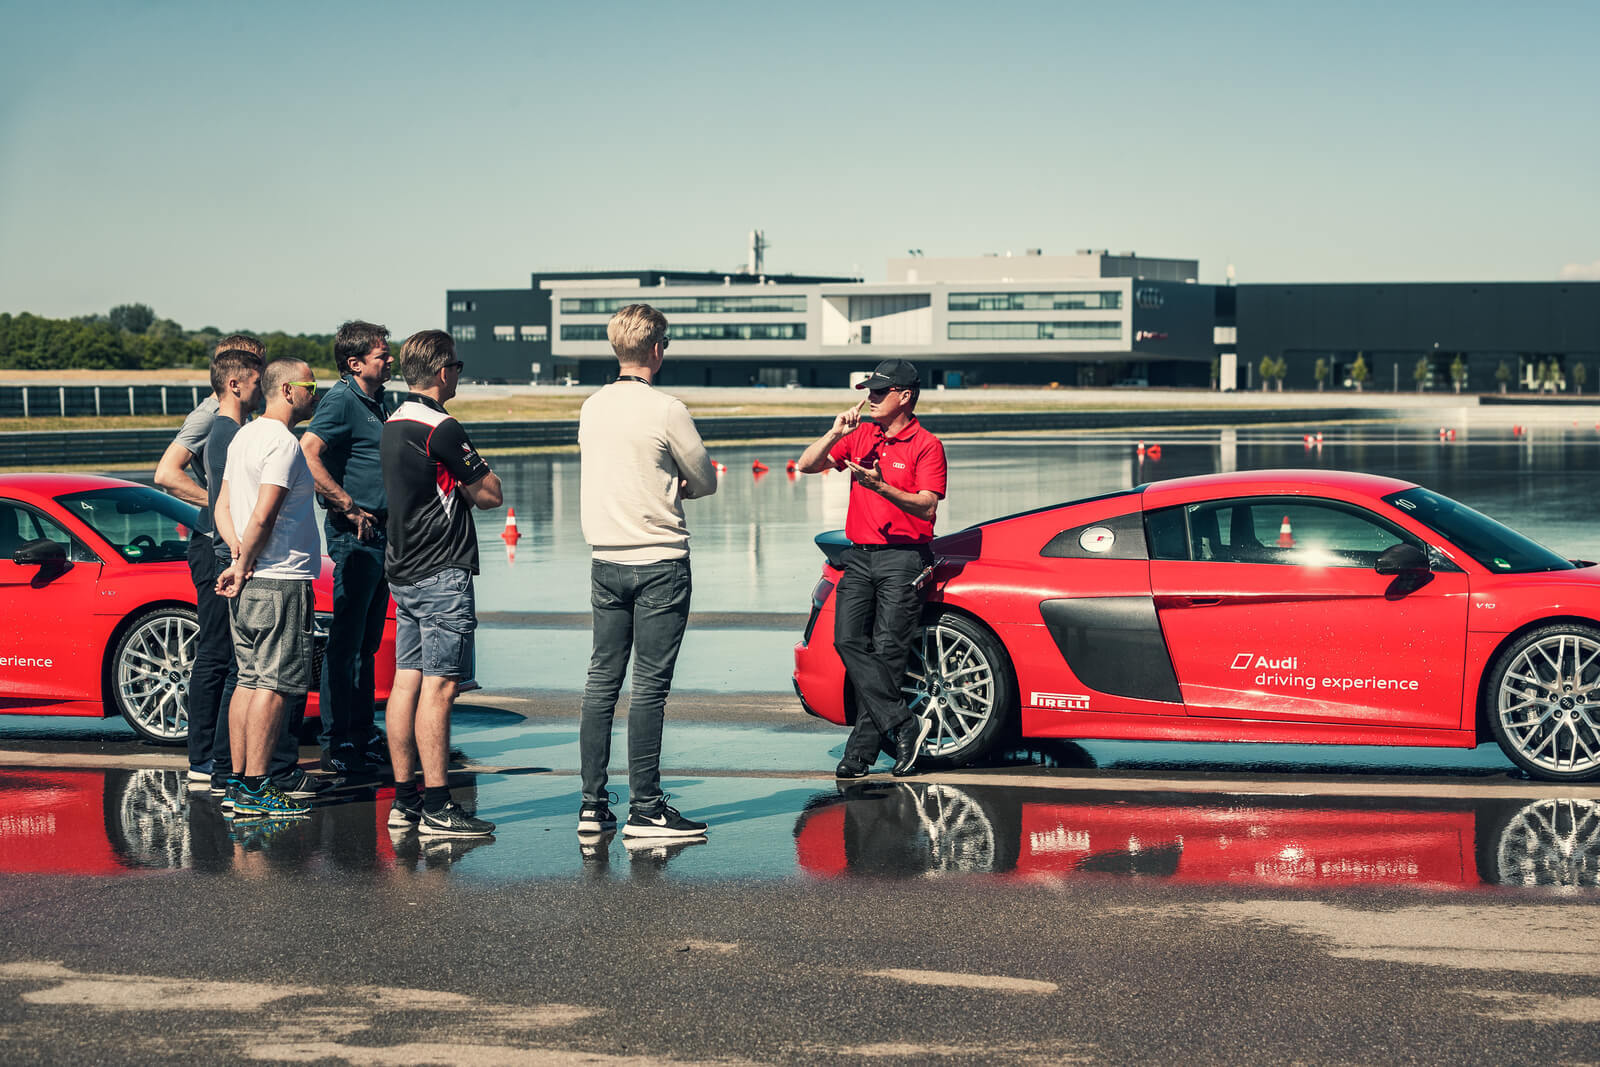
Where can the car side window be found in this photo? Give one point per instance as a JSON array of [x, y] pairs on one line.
[[1289, 531], [19, 525]]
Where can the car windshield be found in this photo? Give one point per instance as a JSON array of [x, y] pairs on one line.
[[1497, 547], [144, 525]]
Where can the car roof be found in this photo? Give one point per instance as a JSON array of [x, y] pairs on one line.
[[1255, 483], [49, 485]]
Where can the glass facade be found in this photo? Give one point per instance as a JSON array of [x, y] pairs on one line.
[[1092, 300], [505, 333], [684, 305], [1035, 331], [704, 331], [464, 333]]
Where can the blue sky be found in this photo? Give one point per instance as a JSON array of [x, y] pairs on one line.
[[289, 165]]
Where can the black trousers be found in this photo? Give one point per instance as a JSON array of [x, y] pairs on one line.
[[877, 607]]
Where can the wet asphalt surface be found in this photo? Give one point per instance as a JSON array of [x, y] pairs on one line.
[[1124, 903]]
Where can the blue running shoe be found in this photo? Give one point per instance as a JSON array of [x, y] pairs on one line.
[[270, 801]]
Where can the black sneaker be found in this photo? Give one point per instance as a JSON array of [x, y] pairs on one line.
[[451, 821], [596, 817], [303, 786], [406, 812], [664, 821], [342, 759], [851, 768], [220, 784]]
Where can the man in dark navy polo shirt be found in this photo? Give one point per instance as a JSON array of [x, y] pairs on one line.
[[341, 447], [897, 480]]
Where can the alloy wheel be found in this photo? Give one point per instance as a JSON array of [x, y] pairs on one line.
[[153, 665], [950, 680], [1552, 842], [1549, 703]]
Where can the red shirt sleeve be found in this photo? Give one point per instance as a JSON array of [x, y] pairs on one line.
[[930, 473], [845, 447]]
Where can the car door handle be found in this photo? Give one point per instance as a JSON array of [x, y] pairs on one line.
[[1189, 601]]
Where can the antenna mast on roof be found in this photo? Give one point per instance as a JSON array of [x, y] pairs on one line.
[[758, 252]]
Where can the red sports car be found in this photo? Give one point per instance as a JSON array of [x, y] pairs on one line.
[[1283, 606], [97, 607]]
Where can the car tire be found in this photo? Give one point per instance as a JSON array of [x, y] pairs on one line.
[[149, 673], [968, 694], [1542, 700]]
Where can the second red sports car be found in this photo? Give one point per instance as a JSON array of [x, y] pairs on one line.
[[1267, 606], [97, 606]]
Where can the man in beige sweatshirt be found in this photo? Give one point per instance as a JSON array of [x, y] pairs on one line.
[[641, 457]]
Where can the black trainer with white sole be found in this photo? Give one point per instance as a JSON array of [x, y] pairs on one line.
[[596, 819], [452, 821], [406, 812], [664, 821]]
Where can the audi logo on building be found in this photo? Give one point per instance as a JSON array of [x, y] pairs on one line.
[[1149, 298]]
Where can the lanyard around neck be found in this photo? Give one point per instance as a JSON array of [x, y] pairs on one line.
[[632, 378]]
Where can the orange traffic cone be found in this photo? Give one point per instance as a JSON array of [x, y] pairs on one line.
[[1153, 452], [759, 467], [793, 466], [1285, 535], [511, 535]]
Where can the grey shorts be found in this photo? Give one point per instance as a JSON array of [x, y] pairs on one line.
[[434, 620], [272, 621]]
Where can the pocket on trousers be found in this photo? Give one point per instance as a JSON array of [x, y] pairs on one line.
[[667, 589]]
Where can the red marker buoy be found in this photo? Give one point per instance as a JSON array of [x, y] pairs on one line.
[[511, 535]]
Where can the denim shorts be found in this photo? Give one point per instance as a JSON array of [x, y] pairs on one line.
[[272, 621], [433, 623]]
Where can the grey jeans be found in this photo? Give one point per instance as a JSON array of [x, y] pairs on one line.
[[639, 610]]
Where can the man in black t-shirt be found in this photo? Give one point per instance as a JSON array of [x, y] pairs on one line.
[[433, 478]]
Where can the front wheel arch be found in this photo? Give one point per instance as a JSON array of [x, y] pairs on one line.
[[1485, 732], [110, 689], [1541, 694]]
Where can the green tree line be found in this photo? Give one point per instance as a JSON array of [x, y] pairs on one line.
[[133, 337]]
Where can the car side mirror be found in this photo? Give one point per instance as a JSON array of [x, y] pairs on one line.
[[1401, 559], [40, 552]]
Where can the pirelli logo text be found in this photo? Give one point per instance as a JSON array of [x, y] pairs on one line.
[[1061, 701]]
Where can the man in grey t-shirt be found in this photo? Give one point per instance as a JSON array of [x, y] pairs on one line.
[[213, 656]]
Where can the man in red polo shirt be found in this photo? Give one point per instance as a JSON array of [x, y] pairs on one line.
[[897, 480]]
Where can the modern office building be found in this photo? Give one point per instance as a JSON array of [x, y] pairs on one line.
[[1089, 319]]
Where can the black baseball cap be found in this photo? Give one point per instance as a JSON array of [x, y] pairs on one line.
[[892, 374]]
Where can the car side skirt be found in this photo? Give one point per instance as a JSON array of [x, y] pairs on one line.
[[1089, 725]]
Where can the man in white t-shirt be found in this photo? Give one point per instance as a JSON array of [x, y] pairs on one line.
[[266, 507]]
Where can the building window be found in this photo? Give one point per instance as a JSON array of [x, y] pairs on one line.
[[536, 333], [505, 333], [686, 305], [1035, 331], [1152, 299], [463, 305], [704, 331], [1092, 300], [464, 333]]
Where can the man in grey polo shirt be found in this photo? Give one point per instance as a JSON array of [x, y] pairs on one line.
[[341, 448], [265, 507], [213, 655]]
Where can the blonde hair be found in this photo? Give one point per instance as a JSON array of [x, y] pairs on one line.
[[634, 331], [241, 341]]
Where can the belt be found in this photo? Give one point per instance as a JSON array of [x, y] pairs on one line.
[[913, 546]]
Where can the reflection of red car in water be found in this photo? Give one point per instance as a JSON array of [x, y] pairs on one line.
[[918, 828], [114, 822], [97, 606], [1268, 606]]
